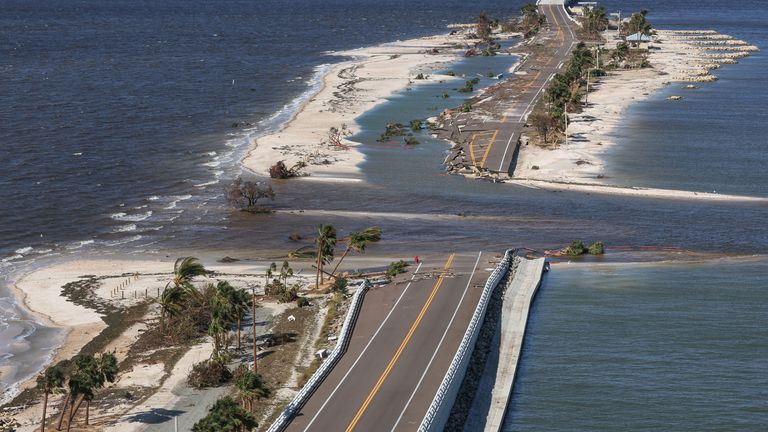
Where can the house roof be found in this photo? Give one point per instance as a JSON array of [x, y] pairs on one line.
[[638, 37]]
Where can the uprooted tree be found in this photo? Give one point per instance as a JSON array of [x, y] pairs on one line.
[[280, 171], [246, 194]]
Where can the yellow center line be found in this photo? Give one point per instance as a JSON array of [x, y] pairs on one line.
[[488, 149], [471, 150], [400, 349]]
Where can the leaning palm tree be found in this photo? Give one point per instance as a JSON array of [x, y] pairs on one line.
[[184, 270], [325, 243], [222, 314], [357, 242], [170, 302], [48, 382]]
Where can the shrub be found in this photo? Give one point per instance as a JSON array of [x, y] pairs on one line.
[[396, 268], [245, 194], [340, 285], [226, 415], [416, 125], [302, 302], [209, 373], [446, 95], [466, 107], [469, 87], [596, 248], [576, 248], [411, 141], [450, 73], [420, 76]]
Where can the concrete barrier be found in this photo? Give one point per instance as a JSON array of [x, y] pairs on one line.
[[514, 320], [440, 408], [317, 378]]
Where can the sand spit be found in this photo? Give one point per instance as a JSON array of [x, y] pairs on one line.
[[677, 56], [349, 89]]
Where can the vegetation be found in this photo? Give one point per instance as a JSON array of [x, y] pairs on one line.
[[416, 125], [638, 23], [566, 90], [302, 302], [466, 107], [280, 171], [86, 374], [483, 28], [340, 286], [577, 248], [396, 268], [529, 23], [469, 86], [226, 415], [246, 194], [357, 241], [597, 248], [50, 381], [595, 21], [544, 124], [325, 244], [392, 130], [209, 373], [450, 73], [420, 76], [411, 141], [249, 386]]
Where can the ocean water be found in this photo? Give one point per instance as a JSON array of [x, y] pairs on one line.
[[117, 137], [714, 139], [642, 347]]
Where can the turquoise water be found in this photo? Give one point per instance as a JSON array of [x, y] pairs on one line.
[[678, 347]]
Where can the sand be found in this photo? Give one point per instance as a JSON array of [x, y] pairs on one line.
[[679, 60], [349, 89]]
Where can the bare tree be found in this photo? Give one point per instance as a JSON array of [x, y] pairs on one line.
[[246, 194], [544, 123]]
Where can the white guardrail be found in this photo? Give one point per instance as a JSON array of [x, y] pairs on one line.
[[440, 408], [317, 378]]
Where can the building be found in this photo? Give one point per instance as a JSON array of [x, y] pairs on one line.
[[639, 41]]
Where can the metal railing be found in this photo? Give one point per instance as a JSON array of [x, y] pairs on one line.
[[440, 408], [322, 372]]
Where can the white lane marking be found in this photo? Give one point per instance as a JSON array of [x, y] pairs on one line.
[[439, 344], [501, 165], [363, 352]]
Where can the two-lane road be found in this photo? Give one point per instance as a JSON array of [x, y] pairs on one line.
[[402, 345], [496, 148]]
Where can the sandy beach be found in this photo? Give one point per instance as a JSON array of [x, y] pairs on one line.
[[678, 58], [349, 89]]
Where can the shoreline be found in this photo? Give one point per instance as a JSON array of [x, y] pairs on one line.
[[351, 88], [680, 58]]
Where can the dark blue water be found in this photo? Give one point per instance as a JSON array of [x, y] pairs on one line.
[[646, 347], [112, 110], [116, 135]]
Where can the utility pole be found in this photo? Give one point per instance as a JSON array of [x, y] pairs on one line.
[[565, 117], [586, 96], [253, 325]]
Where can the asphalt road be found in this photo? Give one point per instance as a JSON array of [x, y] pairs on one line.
[[402, 345], [495, 149]]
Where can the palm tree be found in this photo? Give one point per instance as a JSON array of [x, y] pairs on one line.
[[357, 242], [250, 386], [222, 314], [596, 20], [184, 270], [240, 301], [170, 302], [268, 275], [226, 415], [88, 374], [285, 272], [325, 242], [47, 382]]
